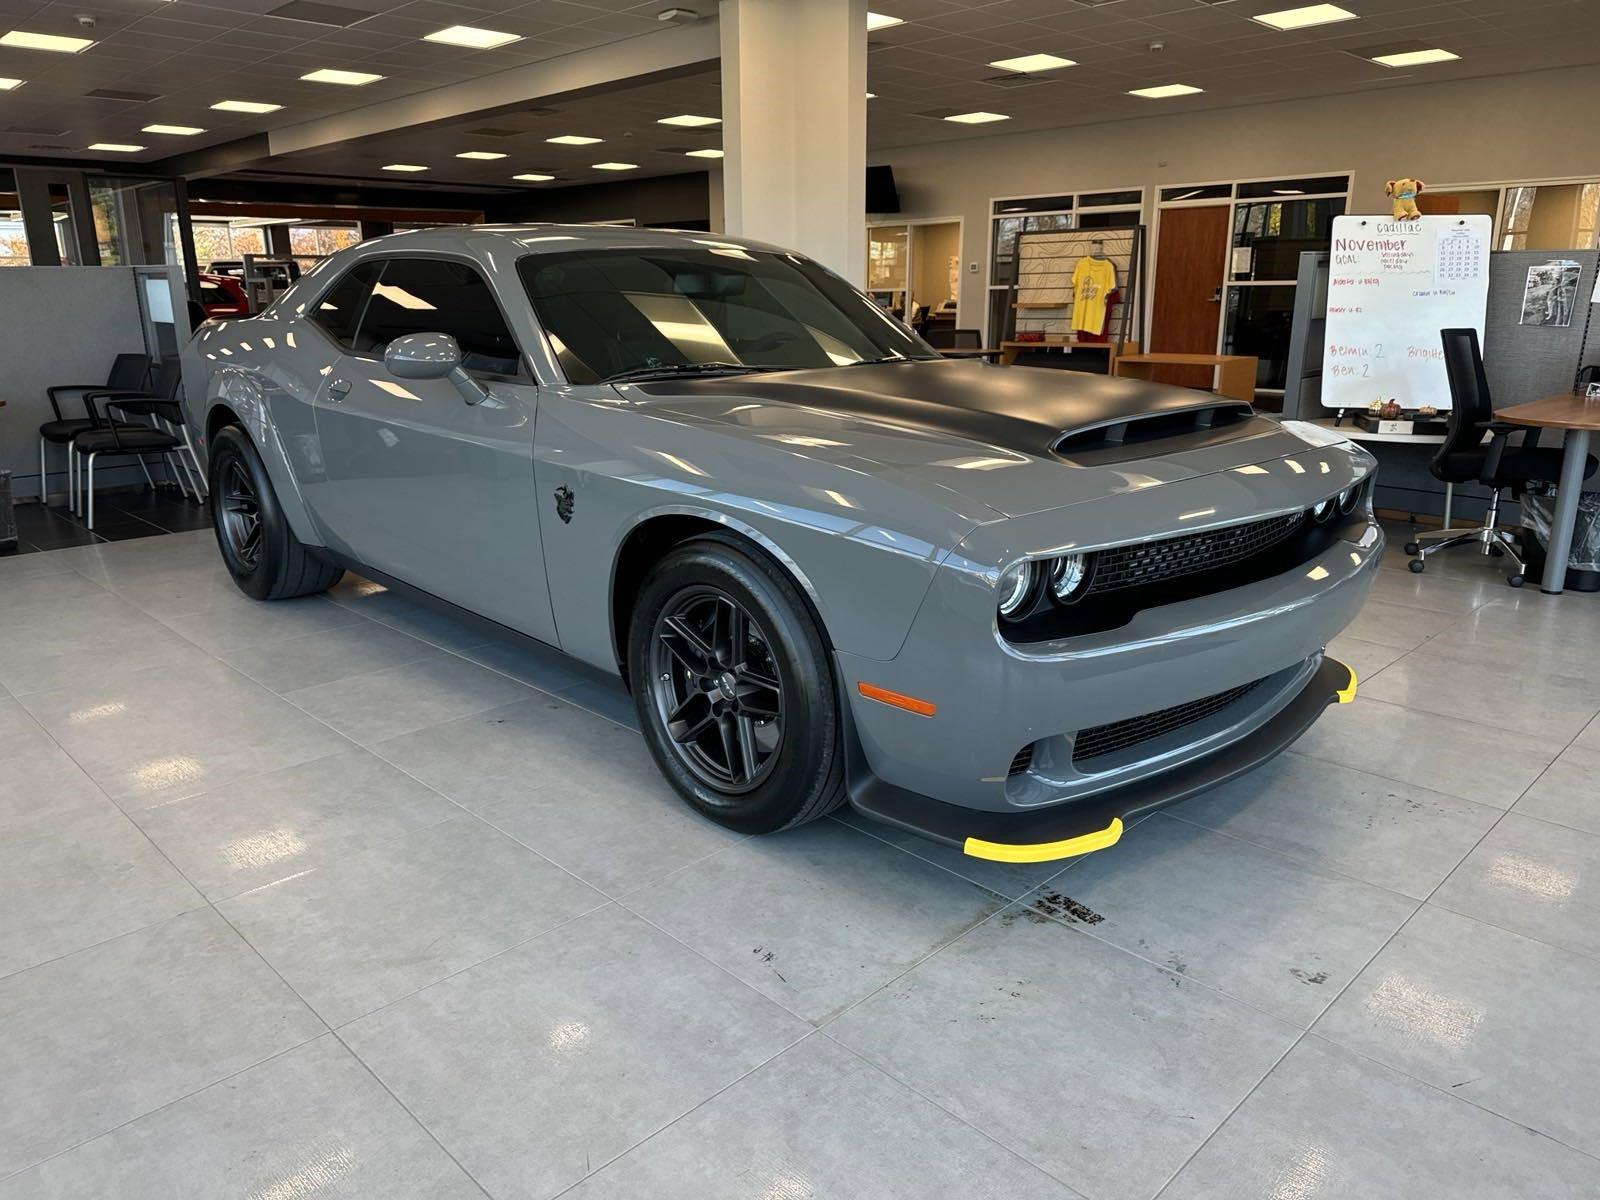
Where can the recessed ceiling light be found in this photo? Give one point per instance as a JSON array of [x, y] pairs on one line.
[[334, 75], [245, 106], [690, 120], [708, 152], [116, 147], [23, 40], [174, 130], [7, 85], [616, 166], [977, 118], [534, 177], [573, 139], [404, 167], [1027, 63], [484, 155], [1414, 58], [1305, 18], [1165, 90], [877, 21], [473, 39], [1288, 191]]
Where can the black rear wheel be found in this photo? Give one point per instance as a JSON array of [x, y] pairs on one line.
[[262, 553], [734, 686]]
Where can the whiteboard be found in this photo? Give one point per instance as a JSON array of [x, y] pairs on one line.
[[1392, 286]]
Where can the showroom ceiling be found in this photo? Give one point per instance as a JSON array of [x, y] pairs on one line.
[[186, 56]]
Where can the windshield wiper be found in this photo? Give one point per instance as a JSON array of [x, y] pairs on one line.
[[889, 358], [668, 370]]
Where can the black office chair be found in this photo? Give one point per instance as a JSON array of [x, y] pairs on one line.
[[111, 436], [955, 339], [129, 372], [1463, 458]]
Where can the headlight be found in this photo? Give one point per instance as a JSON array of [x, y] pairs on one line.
[[1323, 509], [1348, 498], [1016, 587], [1068, 574]]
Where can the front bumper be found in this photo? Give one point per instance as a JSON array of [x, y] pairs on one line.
[[1066, 830]]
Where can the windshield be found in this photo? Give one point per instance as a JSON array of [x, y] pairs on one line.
[[635, 313]]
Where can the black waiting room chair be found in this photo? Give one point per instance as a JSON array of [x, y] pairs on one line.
[[1463, 458], [129, 372], [110, 436]]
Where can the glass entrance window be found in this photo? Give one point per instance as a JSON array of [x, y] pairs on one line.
[[66, 230], [308, 243], [1257, 323]]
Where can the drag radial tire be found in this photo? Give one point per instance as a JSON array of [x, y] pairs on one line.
[[734, 685], [262, 554]]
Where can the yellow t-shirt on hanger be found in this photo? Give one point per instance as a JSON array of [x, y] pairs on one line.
[[1093, 279]]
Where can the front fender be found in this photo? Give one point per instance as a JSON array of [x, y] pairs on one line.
[[864, 552], [274, 411]]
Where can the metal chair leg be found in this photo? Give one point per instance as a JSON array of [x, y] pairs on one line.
[[90, 489], [146, 470], [200, 476], [44, 476]]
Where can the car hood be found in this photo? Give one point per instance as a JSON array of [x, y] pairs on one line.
[[1016, 440]]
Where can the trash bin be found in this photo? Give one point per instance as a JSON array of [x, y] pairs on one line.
[[8, 516], [1583, 560]]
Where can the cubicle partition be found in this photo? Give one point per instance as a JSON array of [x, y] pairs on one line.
[[1524, 360], [65, 325]]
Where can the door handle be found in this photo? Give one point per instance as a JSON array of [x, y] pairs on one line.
[[1216, 295], [338, 389]]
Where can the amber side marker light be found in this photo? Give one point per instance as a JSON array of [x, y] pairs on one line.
[[923, 708]]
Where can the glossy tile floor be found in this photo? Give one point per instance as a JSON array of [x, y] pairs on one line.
[[342, 897]]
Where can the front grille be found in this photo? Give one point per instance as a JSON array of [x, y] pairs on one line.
[[1021, 760], [1153, 562], [1119, 735]]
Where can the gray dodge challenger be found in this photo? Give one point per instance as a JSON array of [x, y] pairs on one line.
[[1003, 607]]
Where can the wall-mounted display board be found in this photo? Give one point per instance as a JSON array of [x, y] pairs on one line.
[[1392, 286], [1044, 299]]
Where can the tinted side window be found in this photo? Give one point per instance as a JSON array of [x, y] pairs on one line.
[[339, 309], [434, 295]]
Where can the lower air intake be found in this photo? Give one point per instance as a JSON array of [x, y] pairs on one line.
[[1106, 739]]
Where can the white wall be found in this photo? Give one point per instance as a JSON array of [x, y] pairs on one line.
[[58, 325], [1510, 127]]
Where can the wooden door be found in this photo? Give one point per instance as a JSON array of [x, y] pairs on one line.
[[1191, 258]]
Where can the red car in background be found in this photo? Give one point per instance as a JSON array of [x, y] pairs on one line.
[[223, 296]]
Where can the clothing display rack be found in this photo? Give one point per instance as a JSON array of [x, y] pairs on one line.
[[1041, 301]]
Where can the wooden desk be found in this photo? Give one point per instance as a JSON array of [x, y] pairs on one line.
[[1580, 418], [1235, 373], [1010, 349]]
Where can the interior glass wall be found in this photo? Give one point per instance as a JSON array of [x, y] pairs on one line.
[[13, 237], [135, 220]]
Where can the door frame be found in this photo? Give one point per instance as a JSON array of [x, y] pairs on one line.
[[1232, 200], [911, 248]]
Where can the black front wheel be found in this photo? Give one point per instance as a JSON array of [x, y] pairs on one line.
[[735, 689], [262, 553]]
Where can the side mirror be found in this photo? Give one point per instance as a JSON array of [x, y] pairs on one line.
[[432, 356]]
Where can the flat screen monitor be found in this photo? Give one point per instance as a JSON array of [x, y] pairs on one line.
[[881, 194]]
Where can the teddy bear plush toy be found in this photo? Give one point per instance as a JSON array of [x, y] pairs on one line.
[[1404, 193]]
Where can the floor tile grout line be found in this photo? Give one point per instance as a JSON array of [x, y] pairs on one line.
[[807, 1035], [163, 1106], [877, 837], [406, 1108], [955, 1116], [1304, 863], [1429, 1085]]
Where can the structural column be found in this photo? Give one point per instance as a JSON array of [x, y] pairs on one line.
[[794, 127]]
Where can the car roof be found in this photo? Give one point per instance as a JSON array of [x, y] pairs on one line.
[[552, 238]]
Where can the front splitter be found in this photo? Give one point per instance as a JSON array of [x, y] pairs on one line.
[[1081, 827]]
